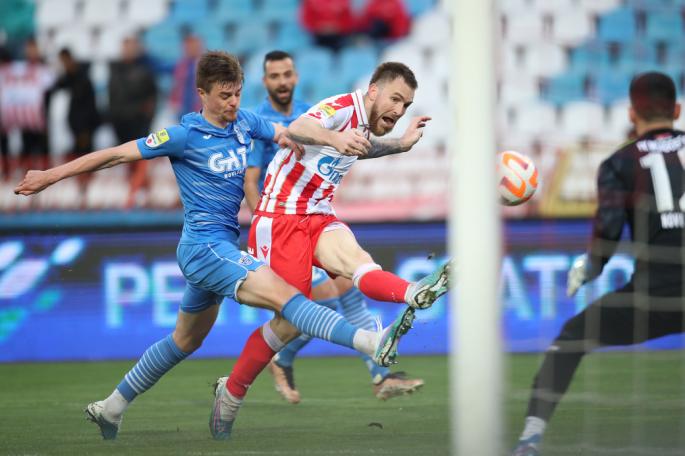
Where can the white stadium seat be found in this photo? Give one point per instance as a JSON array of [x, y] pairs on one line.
[[147, 12], [533, 119], [431, 30], [55, 13], [523, 27], [101, 12], [572, 26], [582, 118]]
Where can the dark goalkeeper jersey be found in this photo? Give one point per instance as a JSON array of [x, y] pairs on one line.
[[642, 185]]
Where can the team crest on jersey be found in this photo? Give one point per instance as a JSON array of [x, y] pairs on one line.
[[157, 139], [327, 109], [245, 260], [240, 129]]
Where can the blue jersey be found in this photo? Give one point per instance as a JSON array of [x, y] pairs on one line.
[[263, 151], [209, 163]]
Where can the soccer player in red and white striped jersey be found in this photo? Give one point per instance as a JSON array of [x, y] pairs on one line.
[[295, 227]]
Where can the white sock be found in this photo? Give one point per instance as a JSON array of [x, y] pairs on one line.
[[534, 425], [115, 405], [365, 341], [231, 405]]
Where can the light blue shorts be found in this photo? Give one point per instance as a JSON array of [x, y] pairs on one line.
[[212, 271], [319, 276]]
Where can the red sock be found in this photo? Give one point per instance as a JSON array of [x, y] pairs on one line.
[[383, 286], [253, 359]]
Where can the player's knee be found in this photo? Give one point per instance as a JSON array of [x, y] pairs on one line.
[[187, 342]]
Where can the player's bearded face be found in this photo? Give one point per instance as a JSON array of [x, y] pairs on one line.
[[280, 79], [391, 102], [222, 101]]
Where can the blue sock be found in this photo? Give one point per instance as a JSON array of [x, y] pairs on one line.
[[318, 321], [355, 311], [286, 356], [155, 362]]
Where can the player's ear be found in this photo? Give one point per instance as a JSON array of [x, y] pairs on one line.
[[676, 111], [373, 91], [632, 115]]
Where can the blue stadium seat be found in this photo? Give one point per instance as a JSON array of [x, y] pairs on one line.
[[588, 57], [611, 86], [248, 37], [653, 5], [213, 34], [163, 41], [292, 37], [188, 11], [664, 26], [418, 7], [637, 54], [234, 11], [280, 10], [619, 25], [314, 64], [565, 88], [355, 62]]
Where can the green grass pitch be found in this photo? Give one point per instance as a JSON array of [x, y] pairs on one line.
[[628, 404]]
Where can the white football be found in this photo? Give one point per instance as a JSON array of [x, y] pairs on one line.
[[518, 178]]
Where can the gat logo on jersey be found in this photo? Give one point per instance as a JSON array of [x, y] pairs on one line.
[[327, 168], [155, 140], [326, 109], [233, 160]]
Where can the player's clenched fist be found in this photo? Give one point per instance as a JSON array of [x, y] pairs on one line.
[[352, 142], [33, 182]]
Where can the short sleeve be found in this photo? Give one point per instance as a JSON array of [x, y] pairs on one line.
[[260, 128], [170, 141], [330, 114], [255, 158]]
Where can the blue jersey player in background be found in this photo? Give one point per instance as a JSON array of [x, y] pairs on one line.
[[280, 107], [208, 152]]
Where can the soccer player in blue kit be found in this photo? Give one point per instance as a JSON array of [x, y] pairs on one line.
[[280, 79], [208, 152]]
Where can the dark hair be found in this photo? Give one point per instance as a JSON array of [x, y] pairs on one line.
[[65, 52], [217, 67], [275, 55], [652, 96], [389, 71]]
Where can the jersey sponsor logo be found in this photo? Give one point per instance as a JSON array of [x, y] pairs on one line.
[[326, 109], [231, 162], [663, 145], [671, 220], [327, 168], [155, 140]]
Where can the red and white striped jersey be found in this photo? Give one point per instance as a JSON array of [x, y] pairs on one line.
[[307, 186], [22, 95]]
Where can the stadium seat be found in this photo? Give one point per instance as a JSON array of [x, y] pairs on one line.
[[507, 7], [664, 26], [518, 89], [279, 10], [418, 7], [163, 41], [314, 64], [565, 88], [55, 13], [108, 44], [534, 119], [544, 59], [554, 7], [582, 118], [101, 12], [523, 27], [248, 37], [406, 52], [589, 57], [610, 86], [355, 61], [619, 25], [234, 11], [571, 26], [146, 13], [618, 124], [189, 11], [291, 37], [212, 33], [431, 30], [78, 39], [598, 6]]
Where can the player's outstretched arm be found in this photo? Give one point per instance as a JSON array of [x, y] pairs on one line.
[[35, 181], [309, 132], [382, 147]]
